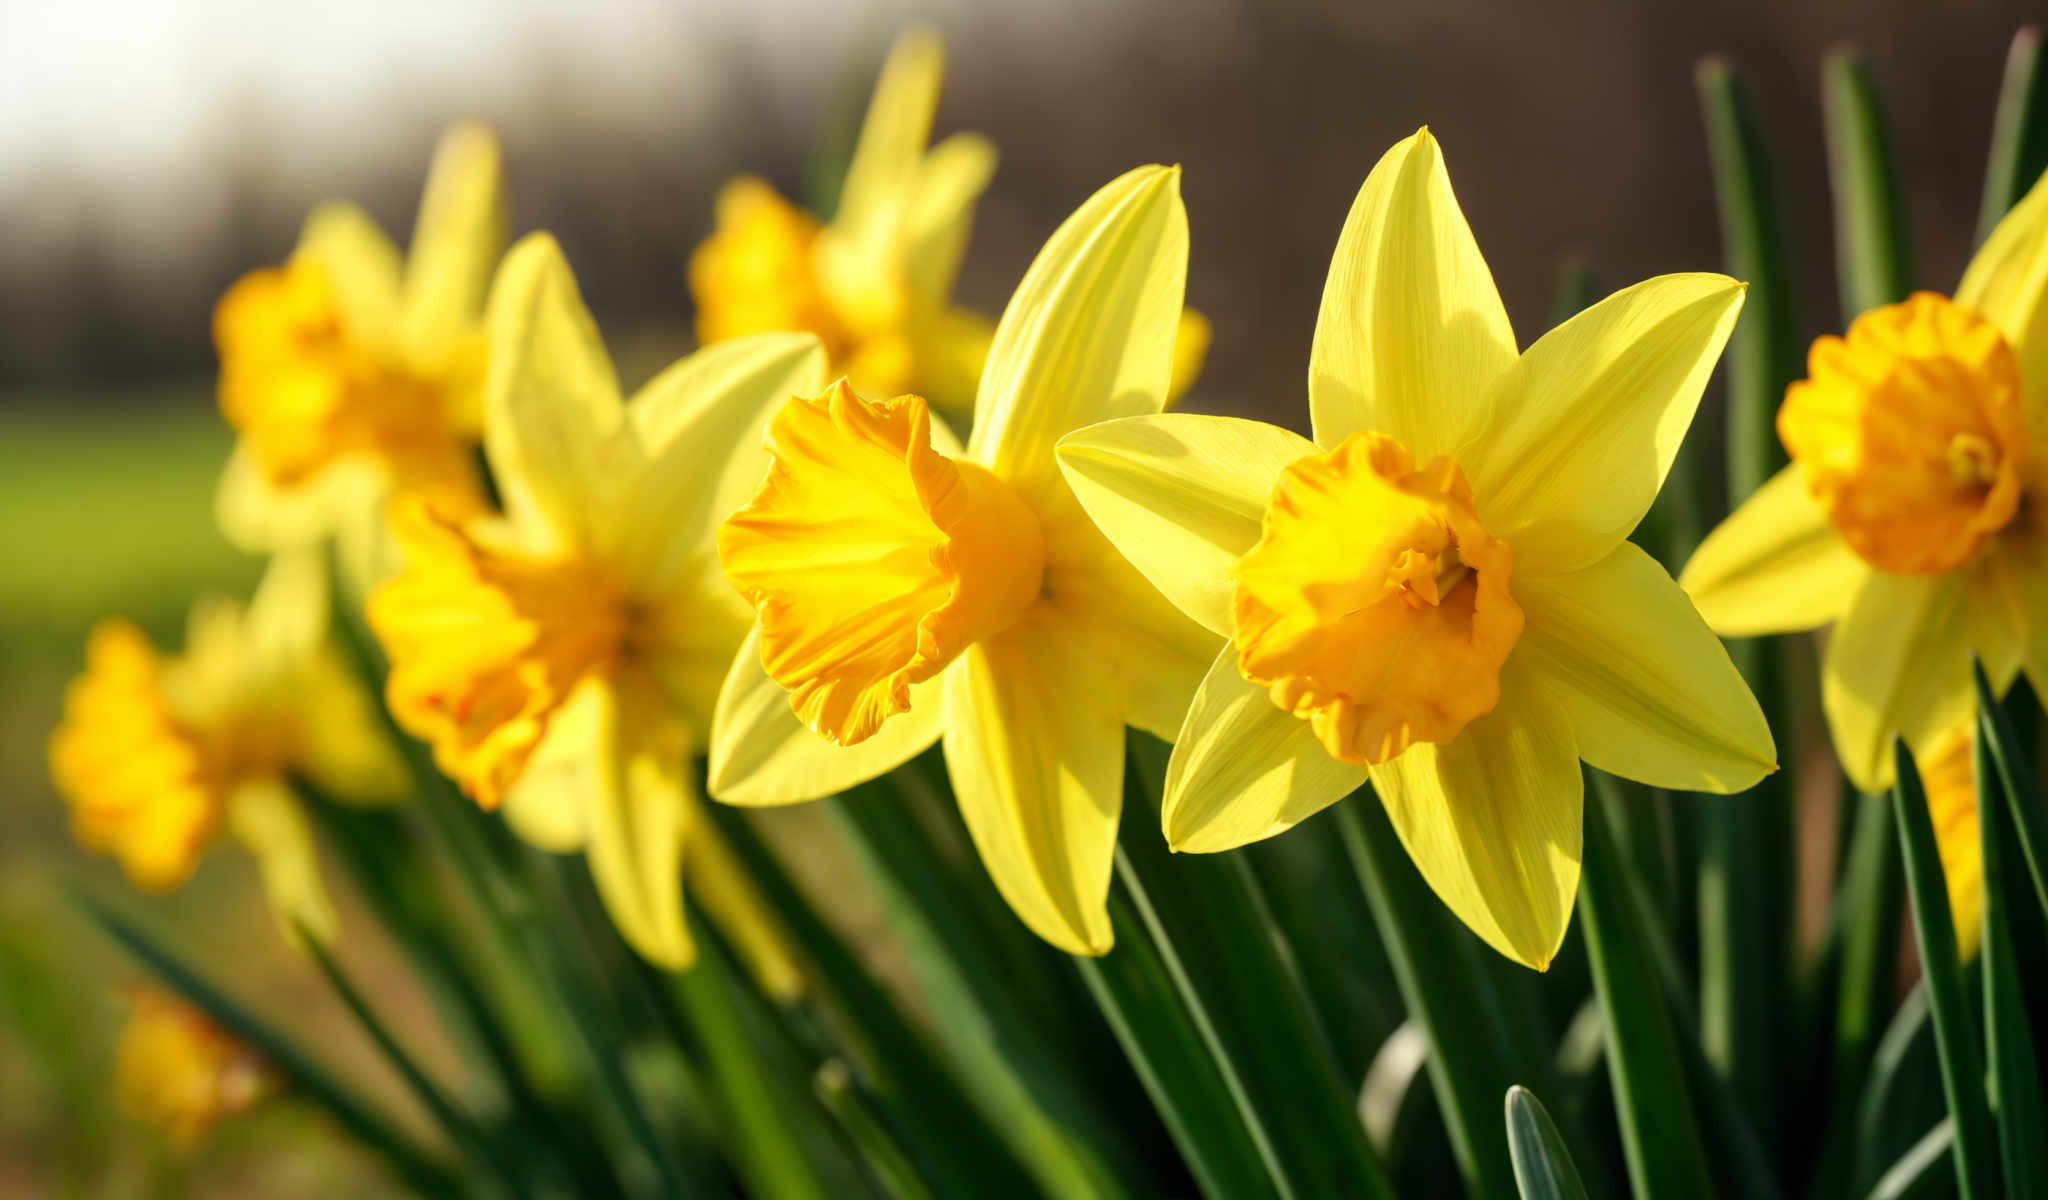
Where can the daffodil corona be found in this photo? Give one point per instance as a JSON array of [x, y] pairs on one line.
[[907, 588], [1910, 514], [1437, 593], [563, 659], [181, 1074], [156, 756], [348, 372]]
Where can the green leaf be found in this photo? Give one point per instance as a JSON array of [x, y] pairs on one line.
[[1962, 1065], [1919, 1173], [1659, 1132], [306, 1075], [2009, 1043], [1159, 1036], [1901, 1096], [1543, 1167], [2019, 132], [1473, 1056], [1873, 250], [842, 1096], [2023, 798]]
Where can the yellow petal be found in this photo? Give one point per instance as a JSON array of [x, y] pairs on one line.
[[951, 348], [258, 516], [636, 819], [1774, 566], [1899, 662], [1412, 333], [1182, 496], [762, 755], [720, 885], [360, 266], [700, 425], [1588, 421], [1492, 820], [1244, 768], [344, 747], [948, 182], [266, 817], [1035, 749], [1190, 350], [551, 399], [549, 805], [1089, 333], [457, 240], [892, 139], [2007, 283], [1646, 687], [287, 621]]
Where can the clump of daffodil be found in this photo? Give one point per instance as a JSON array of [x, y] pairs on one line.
[[348, 371], [1949, 777], [875, 282], [1437, 592], [157, 755], [908, 589], [181, 1074], [563, 659], [1910, 516]]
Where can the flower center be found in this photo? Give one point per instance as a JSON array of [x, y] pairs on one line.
[[1374, 605], [1910, 433], [304, 391], [486, 643], [873, 560], [142, 785]]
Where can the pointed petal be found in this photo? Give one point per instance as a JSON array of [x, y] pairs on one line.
[[361, 266], [636, 819], [265, 816], [260, 517], [1774, 566], [1899, 662], [1089, 333], [949, 181], [1587, 422], [1182, 496], [457, 240], [1244, 769], [2007, 282], [1493, 821], [287, 621], [892, 138], [1412, 333], [549, 806], [345, 748], [700, 425], [1036, 754], [551, 400], [762, 755], [1646, 687]]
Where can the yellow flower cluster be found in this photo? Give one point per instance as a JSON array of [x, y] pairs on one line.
[[780, 555]]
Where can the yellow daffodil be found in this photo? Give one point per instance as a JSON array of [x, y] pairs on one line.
[[1911, 515], [347, 371], [563, 659], [178, 1072], [1436, 592], [909, 589], [874, 283], [1949, 777], [155, 755]]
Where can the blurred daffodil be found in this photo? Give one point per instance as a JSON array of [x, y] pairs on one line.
[[563, 659], [348, 372], [909, 589], [178, 1072], [156, 755], [1437, 592], [875, 282], [1910, 517], [1949, 777]]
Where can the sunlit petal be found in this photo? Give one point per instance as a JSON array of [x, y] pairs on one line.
[[1774, 566], [458, 238], [636, 819], [2007, 282], [266, 817]]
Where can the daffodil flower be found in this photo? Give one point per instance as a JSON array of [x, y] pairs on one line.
[[1437, 592], [348, 372], [1910, 517], [909, 589], [563, 659], [1949, 777], [157, 755], [178, 1072]]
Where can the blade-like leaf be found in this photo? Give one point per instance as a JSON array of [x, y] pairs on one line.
[[2009, 1042], [1919, 1172], [2019, 133], [1873, 252], [1962, 1063], [1543, 1167]]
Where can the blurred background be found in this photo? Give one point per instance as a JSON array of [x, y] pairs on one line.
[[152, 152]]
